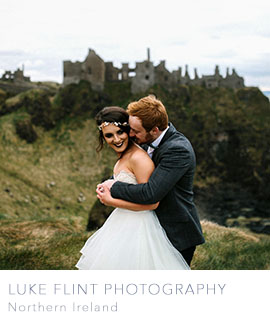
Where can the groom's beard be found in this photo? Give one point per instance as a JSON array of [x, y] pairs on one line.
[[148, 138]]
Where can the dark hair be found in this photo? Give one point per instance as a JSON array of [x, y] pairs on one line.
[[111, 114]]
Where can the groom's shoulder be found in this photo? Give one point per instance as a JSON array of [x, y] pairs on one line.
[[174, 133], [175, 136], [177, 140]]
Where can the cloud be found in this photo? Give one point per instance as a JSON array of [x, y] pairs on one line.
[[34, 63], [8, 53], [198, 33]]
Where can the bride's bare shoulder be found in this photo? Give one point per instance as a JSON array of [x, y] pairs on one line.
[[140, 155], [138, 151]]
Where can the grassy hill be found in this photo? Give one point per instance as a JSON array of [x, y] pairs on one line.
[[54, 244], [47, 187], [47, 178], [49, 170]]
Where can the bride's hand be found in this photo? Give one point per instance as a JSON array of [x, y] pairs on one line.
[[103, 194], [108, 183]]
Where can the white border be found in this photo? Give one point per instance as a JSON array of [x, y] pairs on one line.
[[135, 294]]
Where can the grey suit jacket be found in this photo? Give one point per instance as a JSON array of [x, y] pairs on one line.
[[171, 183]]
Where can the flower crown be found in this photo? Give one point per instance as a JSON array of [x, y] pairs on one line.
[[104, 124]]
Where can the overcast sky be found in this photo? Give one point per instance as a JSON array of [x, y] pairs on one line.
[[42, 34]]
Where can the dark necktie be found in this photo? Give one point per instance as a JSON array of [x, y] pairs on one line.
[[152, 146]]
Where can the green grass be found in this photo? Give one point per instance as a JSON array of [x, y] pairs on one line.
[[232, 249], [54, 244], [45, 178], [41, 244], [42, 223]]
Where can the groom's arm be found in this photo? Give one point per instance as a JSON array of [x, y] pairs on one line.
[[172, 166]]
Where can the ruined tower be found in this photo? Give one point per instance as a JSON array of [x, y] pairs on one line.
[[145, 75], [91, 69]]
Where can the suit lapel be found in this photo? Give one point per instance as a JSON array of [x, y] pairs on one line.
[[169, 132]]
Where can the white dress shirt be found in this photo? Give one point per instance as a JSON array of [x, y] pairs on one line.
[[155, 143]]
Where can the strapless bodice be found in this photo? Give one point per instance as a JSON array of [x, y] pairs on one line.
[[125, 176]]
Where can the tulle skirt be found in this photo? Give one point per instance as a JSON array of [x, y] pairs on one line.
[[130, 240]]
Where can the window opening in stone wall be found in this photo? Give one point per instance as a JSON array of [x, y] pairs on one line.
[[132, 74]]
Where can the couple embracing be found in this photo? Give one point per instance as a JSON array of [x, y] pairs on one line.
[[155, 224]]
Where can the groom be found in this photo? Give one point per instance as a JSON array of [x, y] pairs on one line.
[[171, 183]]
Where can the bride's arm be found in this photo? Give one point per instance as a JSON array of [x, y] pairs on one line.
[[142, 167], [106, 198]]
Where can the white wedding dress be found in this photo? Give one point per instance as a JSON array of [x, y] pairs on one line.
[[130, 240]]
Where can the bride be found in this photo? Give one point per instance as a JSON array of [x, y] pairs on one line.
[[131, 237]]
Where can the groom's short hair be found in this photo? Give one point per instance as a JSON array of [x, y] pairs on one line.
[[150, 111]]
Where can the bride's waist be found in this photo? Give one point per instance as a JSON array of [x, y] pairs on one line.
[[122, 210]]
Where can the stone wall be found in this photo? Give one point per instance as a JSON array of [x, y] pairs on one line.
[[111, 72], [163, 76], [91, 69], [16, 76], [72, 72], [144, 75]]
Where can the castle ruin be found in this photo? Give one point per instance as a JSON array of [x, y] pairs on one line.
[[143, 76], [16, 76]]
